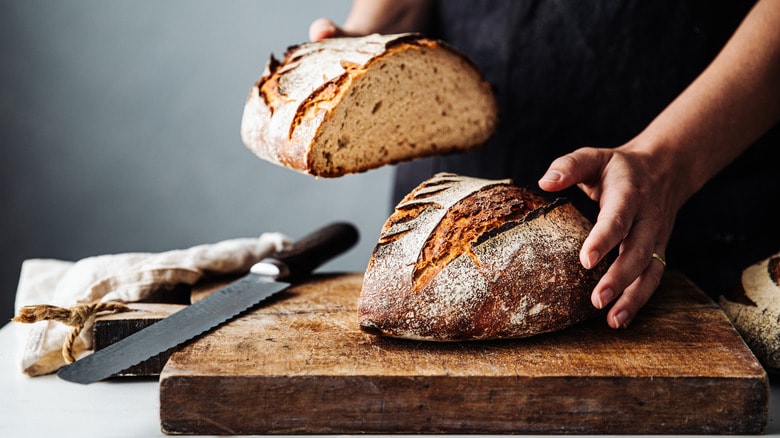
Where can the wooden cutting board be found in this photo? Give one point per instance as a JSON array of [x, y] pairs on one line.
[[301, 365]]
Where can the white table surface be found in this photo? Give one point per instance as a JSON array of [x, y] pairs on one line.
[[50, 407]]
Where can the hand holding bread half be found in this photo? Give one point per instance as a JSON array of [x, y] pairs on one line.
[[347, 105], [464, 258]]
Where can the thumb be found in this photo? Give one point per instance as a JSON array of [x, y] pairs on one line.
[[580, 166], [323, 28]]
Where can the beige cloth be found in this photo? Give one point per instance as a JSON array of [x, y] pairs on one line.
[[124, 277]]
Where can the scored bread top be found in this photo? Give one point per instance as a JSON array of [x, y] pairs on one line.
[[466, 258], [317, 82], [462, 224], [391, 110]]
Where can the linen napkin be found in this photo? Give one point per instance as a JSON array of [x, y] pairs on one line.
[[126, 277]]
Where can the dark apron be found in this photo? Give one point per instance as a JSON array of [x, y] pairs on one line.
[[594, 73]]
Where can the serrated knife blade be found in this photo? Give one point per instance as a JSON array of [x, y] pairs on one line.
[[219, 307]]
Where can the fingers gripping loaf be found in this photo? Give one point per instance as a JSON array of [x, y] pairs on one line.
[[464, 258], [346, 105], [754, 309]]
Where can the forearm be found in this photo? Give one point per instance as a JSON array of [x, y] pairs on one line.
[[388, 16], [641, 185], [731, 104]]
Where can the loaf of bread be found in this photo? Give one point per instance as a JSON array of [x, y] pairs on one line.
[[464, 258], [346, 105], [754, 309]]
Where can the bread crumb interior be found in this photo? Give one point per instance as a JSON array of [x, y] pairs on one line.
[[414, 101]]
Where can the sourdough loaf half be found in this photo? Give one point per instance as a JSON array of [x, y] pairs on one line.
[[754, 309], [464, 258], [346, 105]]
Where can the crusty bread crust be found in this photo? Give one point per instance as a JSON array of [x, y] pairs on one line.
[[754, 309], [346, 105], [518, 276]]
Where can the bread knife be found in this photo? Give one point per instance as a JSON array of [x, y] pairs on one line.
[[303, 257]]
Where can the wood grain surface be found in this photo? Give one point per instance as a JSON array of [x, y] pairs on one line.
[[300, 364], [113, 327]]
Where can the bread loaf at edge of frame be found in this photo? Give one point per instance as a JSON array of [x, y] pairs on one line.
[[346, 105], [464, 259], [754, 309]]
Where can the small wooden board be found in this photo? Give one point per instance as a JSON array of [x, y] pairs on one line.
[[113, 327], [300, 364]]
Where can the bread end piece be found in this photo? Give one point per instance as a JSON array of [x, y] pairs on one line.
[[754, 309], [347, 105]]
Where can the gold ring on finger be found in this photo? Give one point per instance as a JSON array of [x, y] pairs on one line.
[[659, 258]]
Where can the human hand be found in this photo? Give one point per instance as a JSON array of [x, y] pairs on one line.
[[642, 185], [375, 16], [639, 199], [323, 28]]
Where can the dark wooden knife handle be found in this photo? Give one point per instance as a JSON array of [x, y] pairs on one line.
[[311, 251]]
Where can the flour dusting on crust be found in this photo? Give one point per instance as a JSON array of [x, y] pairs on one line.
[[519, 279]]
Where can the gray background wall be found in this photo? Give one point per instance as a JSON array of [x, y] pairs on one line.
[[119, 128]]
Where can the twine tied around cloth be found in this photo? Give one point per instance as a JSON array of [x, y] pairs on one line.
[[75, 316]]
